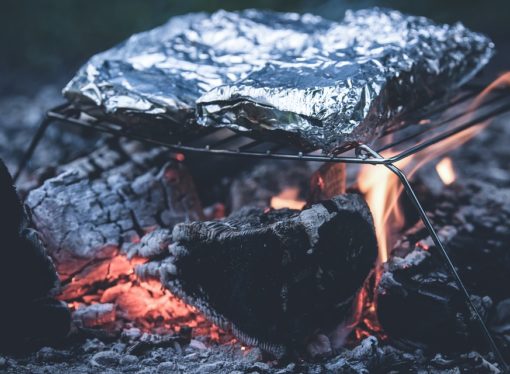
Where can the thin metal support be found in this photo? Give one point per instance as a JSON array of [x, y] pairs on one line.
[[442, 249], [33, 145]]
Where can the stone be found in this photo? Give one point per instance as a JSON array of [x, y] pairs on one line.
[[108, 359]]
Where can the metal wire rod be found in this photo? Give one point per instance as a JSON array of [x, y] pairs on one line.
[[43, 126], [475, 121]]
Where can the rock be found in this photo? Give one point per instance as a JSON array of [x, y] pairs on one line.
[[167, 367], [49, 354], [108, 359], [93, 345], [95, 315], [128, 360]]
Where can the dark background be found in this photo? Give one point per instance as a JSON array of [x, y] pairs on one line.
[[45, 41]]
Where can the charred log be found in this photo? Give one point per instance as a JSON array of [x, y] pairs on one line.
[[419, 303], [27, 279], [93, 213], [108, 199], [418, 299], [275, 277]]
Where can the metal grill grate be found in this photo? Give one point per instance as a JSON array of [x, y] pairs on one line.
[[425, 129]]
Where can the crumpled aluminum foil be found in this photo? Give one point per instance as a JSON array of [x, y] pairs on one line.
[[300, 78]]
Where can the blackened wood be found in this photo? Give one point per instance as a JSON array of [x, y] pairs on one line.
[[418, 300], [275, 277], [27, 277], [419, 303], [109, 198]]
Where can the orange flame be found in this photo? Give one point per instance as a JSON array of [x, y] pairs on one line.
[[446, 171], [382, 188], [288, 198]]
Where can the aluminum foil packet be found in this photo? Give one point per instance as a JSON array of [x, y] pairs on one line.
[[280, 76]]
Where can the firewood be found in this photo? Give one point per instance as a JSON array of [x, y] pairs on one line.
[[101, 202], [274, 278], [27, 278], [420, 305], [419, 302]]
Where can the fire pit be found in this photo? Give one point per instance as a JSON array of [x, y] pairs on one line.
[[115, 255]]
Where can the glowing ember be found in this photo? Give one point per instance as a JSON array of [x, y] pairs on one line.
[[144, 304], [446, 171], [288, 198]]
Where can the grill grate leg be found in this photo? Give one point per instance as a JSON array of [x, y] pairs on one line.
[[46, 121]]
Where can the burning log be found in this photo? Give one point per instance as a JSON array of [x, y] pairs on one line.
[[287, 184], [109, 199], [29, 312], [418, 300], [328, 181], [274, 278], [93, 212], [419, 303]]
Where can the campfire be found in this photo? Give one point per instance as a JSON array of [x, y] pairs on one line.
[[117, 286], [357, 258]]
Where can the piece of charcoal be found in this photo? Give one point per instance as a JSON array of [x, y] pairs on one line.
[[274, 278]]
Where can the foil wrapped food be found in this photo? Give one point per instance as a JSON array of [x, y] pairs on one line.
[[281, 76]]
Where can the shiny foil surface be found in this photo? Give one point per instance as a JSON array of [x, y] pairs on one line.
[[280, 76]]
